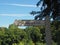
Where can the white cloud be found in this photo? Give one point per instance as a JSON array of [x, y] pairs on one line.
[[20, 5], [15, 15], [23, 5]]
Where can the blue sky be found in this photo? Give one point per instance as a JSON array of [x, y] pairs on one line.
[[16, 9]]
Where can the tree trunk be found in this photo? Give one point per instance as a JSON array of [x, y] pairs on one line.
[[48, 37]]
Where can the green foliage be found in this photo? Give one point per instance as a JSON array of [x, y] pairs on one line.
[[38, 43], [33, 33], [21, 43], [29, 36], [29, 42]]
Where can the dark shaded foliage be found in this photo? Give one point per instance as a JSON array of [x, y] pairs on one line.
[[49, 7]]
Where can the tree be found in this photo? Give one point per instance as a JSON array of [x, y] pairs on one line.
[[56, 31], [13, 27], [17, 34], [50, 8], [2, 35], [34, 34]]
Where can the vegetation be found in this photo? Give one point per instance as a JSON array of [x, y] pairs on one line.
[[34, 35], [28, 36], [49, 9]]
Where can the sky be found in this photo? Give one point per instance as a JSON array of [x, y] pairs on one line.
[[10, 10]]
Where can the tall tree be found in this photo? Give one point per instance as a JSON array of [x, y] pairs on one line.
[[49, 8]]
